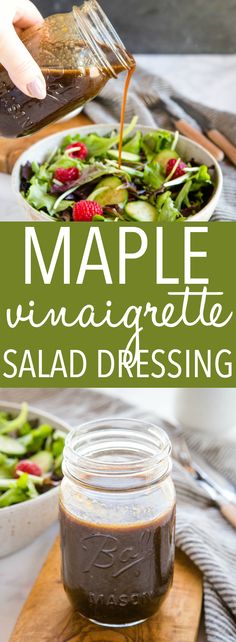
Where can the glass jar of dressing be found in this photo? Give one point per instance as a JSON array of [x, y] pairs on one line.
[[117, 517], [77, 52]]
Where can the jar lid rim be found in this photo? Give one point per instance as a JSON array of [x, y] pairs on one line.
[[92, 21], [155, 442]]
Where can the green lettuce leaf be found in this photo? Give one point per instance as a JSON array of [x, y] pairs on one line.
[[99, 145], [34, 440], [7, 465], [43, 172], [16, 423], [58, 446], [153, 175], [134, 144], [166, 209], [63, 160], [19, 490], [155, 141], [202, 175], [182, 198], [39, 198]]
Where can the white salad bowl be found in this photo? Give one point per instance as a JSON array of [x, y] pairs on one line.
[[186, 148], [21, 523]]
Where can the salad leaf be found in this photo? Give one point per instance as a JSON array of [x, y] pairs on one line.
[[153, 175], [155, 141], [26, 171], [144, 174], [39, 198], [134, 144], [58, 446], [35, 167], [182, 197], [65, 161], [3, 417], [98, 217], [112, 167], [99, 145], [25, 429], [202, 175], [166, 210], [62, 205], [17, 422], [58, 465], [27, 437], [35, 439], [7, 465], [19, 491], [12, 496], [43, 173]]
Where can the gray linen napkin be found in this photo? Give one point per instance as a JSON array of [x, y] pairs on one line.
[[201, 531], [144, 101]]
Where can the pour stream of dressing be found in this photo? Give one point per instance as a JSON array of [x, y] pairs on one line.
[[123, 108]]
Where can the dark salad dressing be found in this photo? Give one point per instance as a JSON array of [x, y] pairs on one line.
[[21, 115], [72, 73], [117, 574]]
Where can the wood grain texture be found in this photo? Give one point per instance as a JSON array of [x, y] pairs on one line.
[[48, 617], [187, 130], [223, 142], [11, 148], [229, 512]]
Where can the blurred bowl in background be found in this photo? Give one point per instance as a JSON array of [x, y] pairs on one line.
[[21, 523]]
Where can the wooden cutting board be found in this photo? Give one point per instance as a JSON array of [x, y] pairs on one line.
[[11, 148], [48, 617]]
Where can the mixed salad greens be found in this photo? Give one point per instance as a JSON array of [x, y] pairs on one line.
[[152, 184], [30, 457]]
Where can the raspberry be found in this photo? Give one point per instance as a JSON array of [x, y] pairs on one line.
[[66, 175], [30, 467], [179, 169], [86, 210], [81, 150]]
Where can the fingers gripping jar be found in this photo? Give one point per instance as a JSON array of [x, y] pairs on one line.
[[117, 517], [77, 52]]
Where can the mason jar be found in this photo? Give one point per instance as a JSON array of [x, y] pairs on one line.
[[117, 519], [77, 52]]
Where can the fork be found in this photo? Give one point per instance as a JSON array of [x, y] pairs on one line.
[[222, 497]]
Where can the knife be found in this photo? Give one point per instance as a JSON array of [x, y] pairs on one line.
[[214, 134]]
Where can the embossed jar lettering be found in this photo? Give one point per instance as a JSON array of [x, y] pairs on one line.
[[117, 563]]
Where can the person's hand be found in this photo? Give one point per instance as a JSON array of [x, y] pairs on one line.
[[22, 69]]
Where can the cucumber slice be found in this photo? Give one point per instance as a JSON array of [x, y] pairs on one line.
[[165, 155], [126, 157], [10, 446], [141, 211], [107, 192], [44, 459]]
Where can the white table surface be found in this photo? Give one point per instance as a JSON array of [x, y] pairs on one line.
[[213, 81], [208, 79]]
